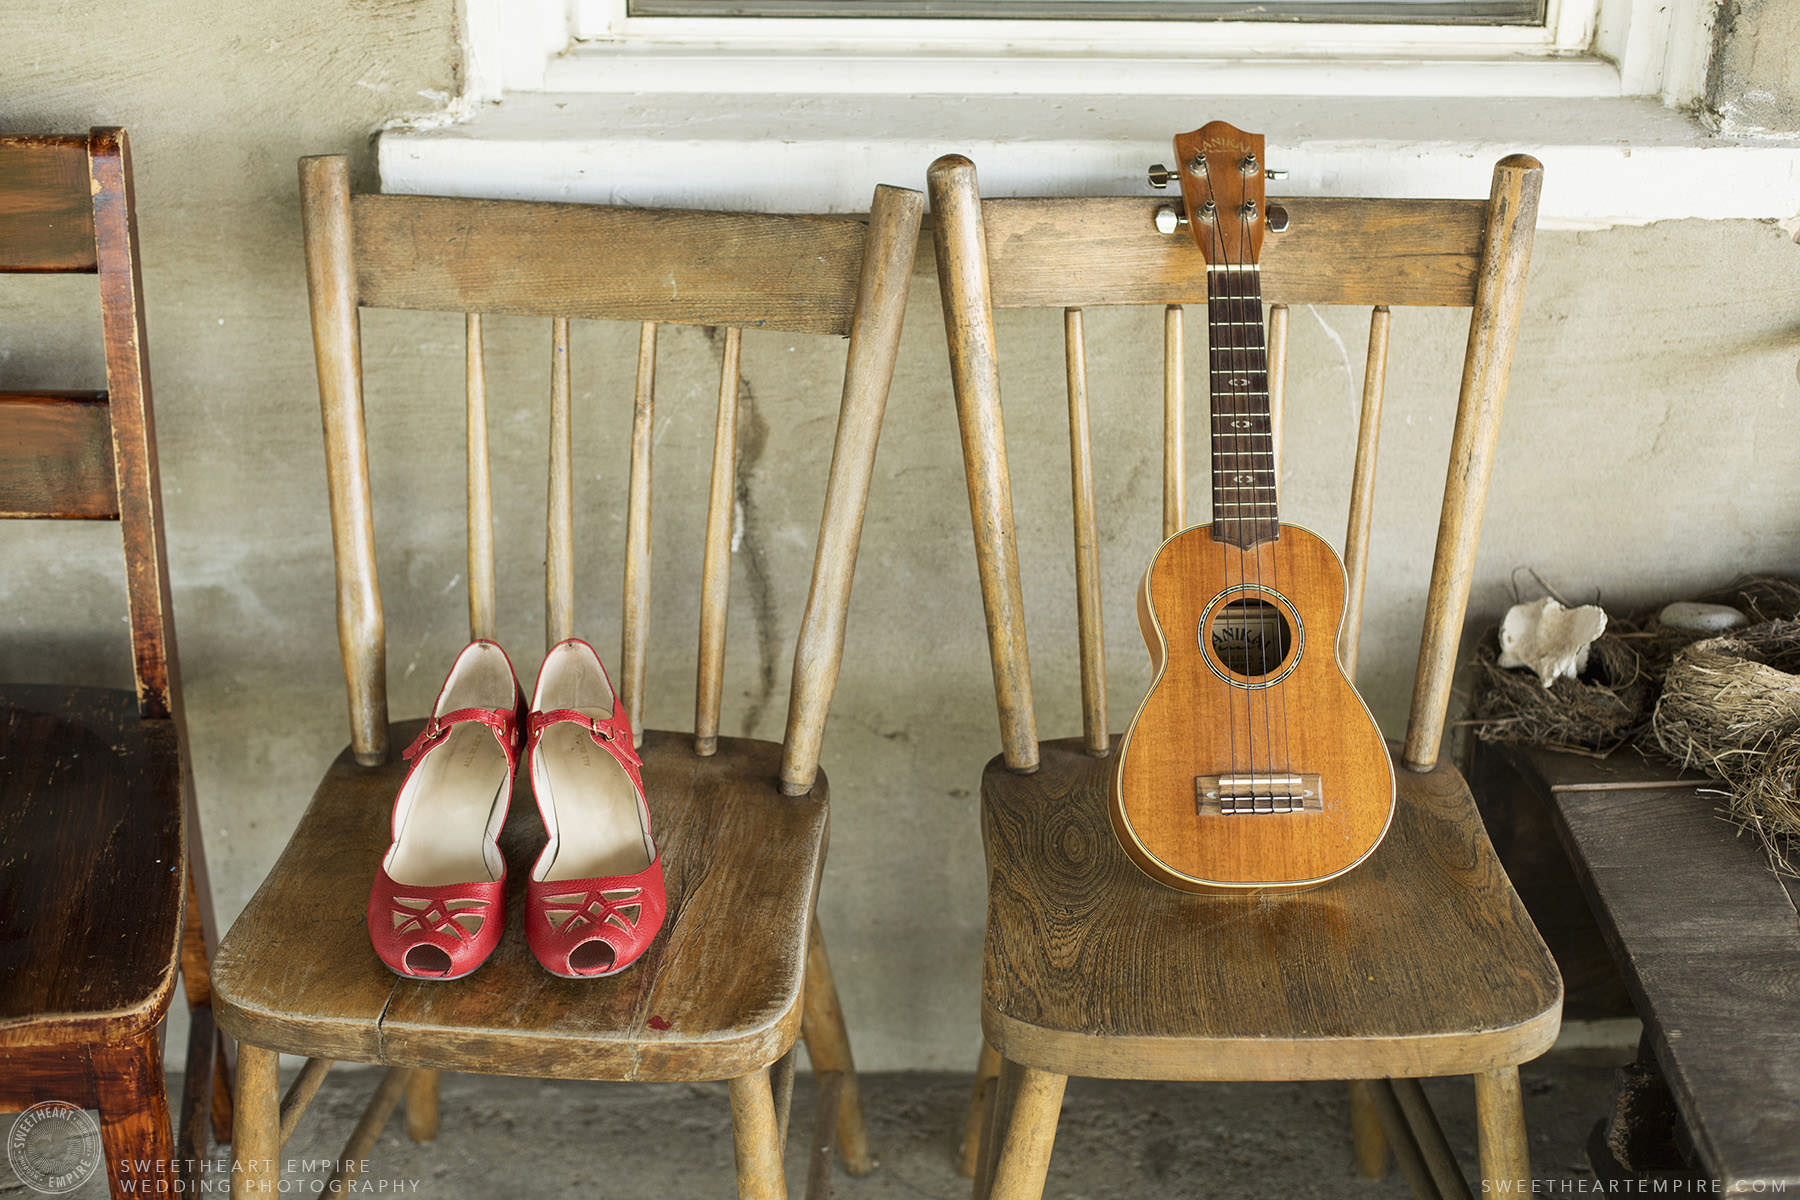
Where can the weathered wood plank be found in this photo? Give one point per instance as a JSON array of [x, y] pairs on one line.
[[1058, 253], [46, 211], [90, 813], [1709, 942], [56, 456], [569, 260]]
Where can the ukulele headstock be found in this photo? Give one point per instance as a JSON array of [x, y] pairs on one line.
[[1224, 202]]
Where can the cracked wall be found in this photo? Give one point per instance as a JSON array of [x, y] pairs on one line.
[[1649, 449]]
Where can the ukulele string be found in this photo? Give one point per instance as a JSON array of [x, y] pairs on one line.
[[1242, 384], [1225, 495], [1254, 310]]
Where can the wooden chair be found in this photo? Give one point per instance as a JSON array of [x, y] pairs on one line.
[[103, 892], [1420, 962], [739, 970]]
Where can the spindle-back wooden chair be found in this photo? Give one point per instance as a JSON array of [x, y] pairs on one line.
[[1421, 961], [739, 969], [103, 894]]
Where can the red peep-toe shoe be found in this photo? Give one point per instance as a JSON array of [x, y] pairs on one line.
[[437, 907], [595, 897]]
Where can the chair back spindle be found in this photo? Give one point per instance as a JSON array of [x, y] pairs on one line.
[[559, 506], [960, 238], [1174, 425], [1087, 542], [715, 571], [881, 290], [634, 631], [1075, 253], [1505, 258], [481, 491], [337, 346], [812, 275], [1362, 490]]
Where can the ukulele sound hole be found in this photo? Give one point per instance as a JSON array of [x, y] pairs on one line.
[[1251, 637]]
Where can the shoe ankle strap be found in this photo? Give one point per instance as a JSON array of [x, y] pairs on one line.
[[612, 734], [504, 723]]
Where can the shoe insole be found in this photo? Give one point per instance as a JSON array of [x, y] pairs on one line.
[[598, 827], [454, 792]]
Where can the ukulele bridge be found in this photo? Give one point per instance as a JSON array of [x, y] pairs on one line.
[[1229, 795]]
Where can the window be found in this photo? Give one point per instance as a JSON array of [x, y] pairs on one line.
[[1374, 12]]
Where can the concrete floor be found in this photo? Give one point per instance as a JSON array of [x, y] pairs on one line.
[[1116, 1140]]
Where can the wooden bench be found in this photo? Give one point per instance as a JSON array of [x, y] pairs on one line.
[[1707, 940]]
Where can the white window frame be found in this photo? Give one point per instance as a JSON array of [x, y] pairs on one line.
[[1585, 48]]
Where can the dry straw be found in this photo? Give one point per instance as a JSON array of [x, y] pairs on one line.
[[1728, 706]]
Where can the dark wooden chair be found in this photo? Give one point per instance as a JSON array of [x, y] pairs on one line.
[[1420, 962], [103, 893], [739, 970]]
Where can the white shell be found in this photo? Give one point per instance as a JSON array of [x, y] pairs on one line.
[[1550, 639], [1701, 618]]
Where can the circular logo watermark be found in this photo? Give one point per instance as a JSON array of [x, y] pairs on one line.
[[54, 1147]]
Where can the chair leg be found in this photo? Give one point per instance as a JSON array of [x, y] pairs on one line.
[[996, 1111], [422, 1105], [256, 1153], [828, 1046], [1500, 1119], [134, 1117], [1366, 1140], [1022, 1153], [222, 1090], [756, 1139], [198, 936], [968, 1155], [196, 1092]]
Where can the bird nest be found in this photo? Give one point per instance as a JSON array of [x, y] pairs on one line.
[[1728, 706]]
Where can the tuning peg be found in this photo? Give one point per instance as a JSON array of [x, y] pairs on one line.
[[1168, 220], [1272, 173], [1160, 176], [1277, 221]]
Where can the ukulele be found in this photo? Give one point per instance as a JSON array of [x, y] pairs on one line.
[[1252, 762]]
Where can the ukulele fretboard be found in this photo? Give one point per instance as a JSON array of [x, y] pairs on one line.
[[1243, 436]]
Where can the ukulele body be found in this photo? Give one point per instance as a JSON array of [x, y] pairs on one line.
[[1252, 762]]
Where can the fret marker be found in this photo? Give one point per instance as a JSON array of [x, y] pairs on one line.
[[1240, 424], [1240, 382]]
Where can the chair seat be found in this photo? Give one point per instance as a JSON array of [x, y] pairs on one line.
[[92, 866], [1421, 961], [717, 995]]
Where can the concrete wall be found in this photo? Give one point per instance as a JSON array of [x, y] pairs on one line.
[[1650, 448], [1753, 85]]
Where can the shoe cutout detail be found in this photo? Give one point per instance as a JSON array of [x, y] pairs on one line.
[[596, 892], [437, 903]]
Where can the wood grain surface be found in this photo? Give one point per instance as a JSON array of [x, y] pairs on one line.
[[1059, 253], [573, 260], [91, 865], [46, 210], [1421, 961], [1194, 723], [717, 995], [1709, 942], [56, 456]]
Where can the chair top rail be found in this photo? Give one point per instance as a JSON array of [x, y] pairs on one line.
[[1070, 253], [46, 205], [793, 273]]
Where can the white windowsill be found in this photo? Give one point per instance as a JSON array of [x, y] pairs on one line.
[[1608, 161]]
